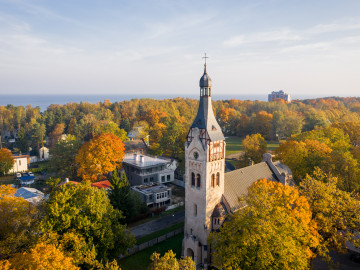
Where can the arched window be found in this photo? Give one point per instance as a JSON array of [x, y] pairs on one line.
[[213, 180], [198, 180], [192, 179], [218, 179]]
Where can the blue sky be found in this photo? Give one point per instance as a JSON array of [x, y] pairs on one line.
[[156, 47]]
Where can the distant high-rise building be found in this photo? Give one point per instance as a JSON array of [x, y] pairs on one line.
[[279, 94]]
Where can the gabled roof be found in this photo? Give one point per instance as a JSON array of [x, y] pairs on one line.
[[237, 182], [102, 184]]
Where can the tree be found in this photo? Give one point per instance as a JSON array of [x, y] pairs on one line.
[[17, 222], [62, 158], [102, 155], [302, 157], [123, 198], [262, 124], [125, 125], [274, 231], [6, 161], [336, 212], [110, 127], [38, 134], [87, 212], [42, 257], [169, 262], [55, 135], [23, 141], [254, 148]]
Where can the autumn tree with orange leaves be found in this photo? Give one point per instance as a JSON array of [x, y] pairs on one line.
[[100, 156], [6, 161], [274, 230], [41, 257]]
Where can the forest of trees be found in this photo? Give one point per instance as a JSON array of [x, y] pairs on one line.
[[167, 121]]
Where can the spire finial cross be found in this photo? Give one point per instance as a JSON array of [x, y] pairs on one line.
[[205, 57]]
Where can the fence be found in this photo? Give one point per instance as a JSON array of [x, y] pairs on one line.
[[152, 242]]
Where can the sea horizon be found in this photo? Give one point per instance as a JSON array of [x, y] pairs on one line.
[[44, 101]]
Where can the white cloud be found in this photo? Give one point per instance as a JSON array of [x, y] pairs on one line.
[[283, 35]]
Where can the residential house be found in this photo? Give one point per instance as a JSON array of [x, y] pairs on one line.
[[21, 163], [143, 169], [154, 194]]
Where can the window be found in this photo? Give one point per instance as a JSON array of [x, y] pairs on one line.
[[157, 195], [195, 209], [168, 193], [218, 179], [198, 180], [163, 178], [193, 179], [151, 179], [168, 177], [19, 162], [212, 180], [145, 180]]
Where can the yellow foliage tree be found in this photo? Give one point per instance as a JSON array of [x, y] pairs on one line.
[[17, 220], [169, 262], [100, 156], [274, 230], [336, 212], [41, 257], [303, 156]]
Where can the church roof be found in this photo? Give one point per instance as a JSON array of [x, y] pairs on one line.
[[205, 119], [237, 182]]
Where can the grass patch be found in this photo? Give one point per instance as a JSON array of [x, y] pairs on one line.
[[141, 260], [233, 145], [273, 145], [159, 233]]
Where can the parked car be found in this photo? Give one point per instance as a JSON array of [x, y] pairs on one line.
[[18, 175], [30, 173]]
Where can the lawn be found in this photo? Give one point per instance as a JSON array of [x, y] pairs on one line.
[[141, 260], [234, 145], [159, 233]]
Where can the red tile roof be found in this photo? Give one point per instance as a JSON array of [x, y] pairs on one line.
[[72, 182], [102, 184]]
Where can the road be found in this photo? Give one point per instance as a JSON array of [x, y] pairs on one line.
[[157, 224]]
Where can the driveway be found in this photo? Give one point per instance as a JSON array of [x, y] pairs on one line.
[[157, 225]]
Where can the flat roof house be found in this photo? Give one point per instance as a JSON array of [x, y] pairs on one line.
[[154, 194], [142, 169]]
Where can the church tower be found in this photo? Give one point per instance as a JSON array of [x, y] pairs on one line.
[[204, 176]]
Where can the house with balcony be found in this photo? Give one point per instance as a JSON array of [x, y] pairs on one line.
[[144, 169], [154, 194]]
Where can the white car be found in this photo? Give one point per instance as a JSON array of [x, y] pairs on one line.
[[31, 174], [18, 175]]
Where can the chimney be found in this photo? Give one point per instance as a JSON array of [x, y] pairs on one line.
[[66, 180], [251, 162], [136, 157], [142, 159]]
